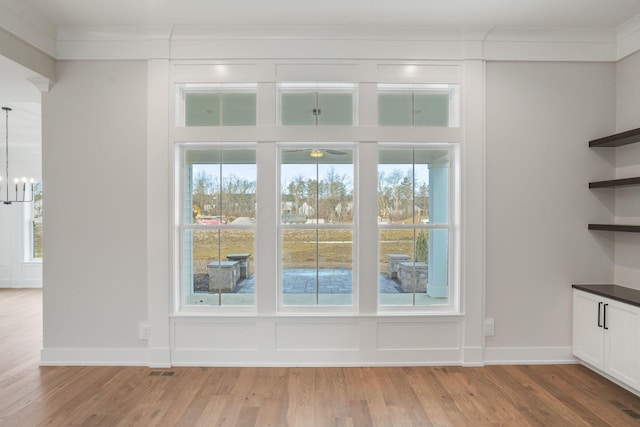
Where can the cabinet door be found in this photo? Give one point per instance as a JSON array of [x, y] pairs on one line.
[[621, 342], [588, 337]]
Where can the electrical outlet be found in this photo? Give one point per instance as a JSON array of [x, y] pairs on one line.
[[489, 327], [143, 330]]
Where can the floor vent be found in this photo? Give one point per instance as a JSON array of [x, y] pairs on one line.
[[631, 413], [161, 373], [616, 404]]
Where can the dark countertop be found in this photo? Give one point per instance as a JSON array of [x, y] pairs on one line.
[[614, 292]]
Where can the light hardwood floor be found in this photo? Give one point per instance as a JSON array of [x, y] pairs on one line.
[[556, 395]]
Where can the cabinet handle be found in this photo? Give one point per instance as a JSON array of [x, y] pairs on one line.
[[604, 323], [599, 320]]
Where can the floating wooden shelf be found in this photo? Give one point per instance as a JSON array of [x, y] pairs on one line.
[[614, 183], [615, 227], [617, 140]]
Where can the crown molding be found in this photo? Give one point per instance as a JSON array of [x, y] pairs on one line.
[[628, 37], [141, 42], [385, 42], [237, 42], [550, 44]]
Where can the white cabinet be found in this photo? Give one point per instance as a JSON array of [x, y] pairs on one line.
[[606, 336]]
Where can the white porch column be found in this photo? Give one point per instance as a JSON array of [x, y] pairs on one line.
[[438, 282]]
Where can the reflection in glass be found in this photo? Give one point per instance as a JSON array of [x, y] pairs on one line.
[[412, 260], [219, 219], [317, 190], [221, 267], [222, 185], [316, 204], [413, 213]]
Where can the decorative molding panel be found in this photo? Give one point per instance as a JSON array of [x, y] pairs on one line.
[[306, 336], [215, 73], [315, 341], [227, 335], [418, 336]]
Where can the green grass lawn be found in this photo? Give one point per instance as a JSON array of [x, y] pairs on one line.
[[299, 247]]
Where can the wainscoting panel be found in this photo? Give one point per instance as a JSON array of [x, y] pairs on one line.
[[221, 335], [418, 336], [317, 336], [315, 341]]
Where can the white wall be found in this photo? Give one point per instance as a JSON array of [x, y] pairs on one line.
[[627, 206], [540, 117], [94, 166]]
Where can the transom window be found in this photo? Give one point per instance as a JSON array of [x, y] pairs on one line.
[[217, 104], [316, 104], [316, 225], [418, 105]]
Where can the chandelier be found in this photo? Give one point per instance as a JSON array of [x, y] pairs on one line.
[[23, 192]]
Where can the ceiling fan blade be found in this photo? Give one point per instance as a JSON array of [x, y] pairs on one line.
[[335, 152]]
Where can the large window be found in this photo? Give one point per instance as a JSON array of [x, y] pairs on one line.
[[316, 168], [217, 230], [317, 227], [414, 225]]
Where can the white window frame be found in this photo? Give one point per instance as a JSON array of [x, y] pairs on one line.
[[453, 227], [317, 308], [182, 226]]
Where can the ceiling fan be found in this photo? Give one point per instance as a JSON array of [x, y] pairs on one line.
[[319, 152]]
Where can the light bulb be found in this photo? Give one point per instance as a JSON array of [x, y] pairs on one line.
[[32, 180], [24, 179], [16, 180]]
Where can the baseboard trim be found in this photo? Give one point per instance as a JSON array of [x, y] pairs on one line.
[[528, 355], [94, 357], [163, 357]]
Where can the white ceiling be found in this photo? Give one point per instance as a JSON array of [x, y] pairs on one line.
[[47, 15], [441, 13]]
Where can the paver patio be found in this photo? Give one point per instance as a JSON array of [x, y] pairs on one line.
[[331, 281]]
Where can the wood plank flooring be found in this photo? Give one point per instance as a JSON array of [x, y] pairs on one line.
[[548, 395]]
